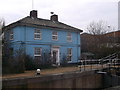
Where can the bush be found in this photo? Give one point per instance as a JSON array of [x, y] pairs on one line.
[[64, 61], [29, 64], [13, 65], [44, 62], [21, 62]]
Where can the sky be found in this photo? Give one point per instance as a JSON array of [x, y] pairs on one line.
[[77, 13]]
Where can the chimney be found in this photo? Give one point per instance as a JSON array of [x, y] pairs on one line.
[[54, 17], [33, 13]]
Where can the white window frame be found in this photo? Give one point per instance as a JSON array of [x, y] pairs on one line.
[[37, 32], [55, 36], [69, 36], [11, 35], [39, 52], [69, 54]]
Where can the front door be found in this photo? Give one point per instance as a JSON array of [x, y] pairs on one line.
[[55, 52]]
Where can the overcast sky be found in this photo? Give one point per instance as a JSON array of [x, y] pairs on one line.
[[77, 13]]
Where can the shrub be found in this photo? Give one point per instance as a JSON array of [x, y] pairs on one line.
[[13, 64], [64, 61], [29, 64], [44, 62]]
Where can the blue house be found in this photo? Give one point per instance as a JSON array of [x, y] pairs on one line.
[[37, 36]]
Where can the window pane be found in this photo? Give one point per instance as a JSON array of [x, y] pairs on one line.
[[69, 51], [37, 31], [37, 34], [69, 36], [69, 56], [54, 33], [11, 37], [54, 37], [38, 51]]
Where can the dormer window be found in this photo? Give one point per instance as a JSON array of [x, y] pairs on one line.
[[37, 34], [55, 35], [69, 37], [11, 35]]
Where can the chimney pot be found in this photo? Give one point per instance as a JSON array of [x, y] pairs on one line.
[[33, 13]]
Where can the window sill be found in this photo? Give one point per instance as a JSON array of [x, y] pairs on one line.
[[54, 40], [37, 39]]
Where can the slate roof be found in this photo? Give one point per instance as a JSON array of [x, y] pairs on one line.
[[38, 22]]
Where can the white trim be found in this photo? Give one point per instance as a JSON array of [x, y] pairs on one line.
[[37, 55], [69, 36], [40, 51], [55, 35], [68, 53], [37, 33]]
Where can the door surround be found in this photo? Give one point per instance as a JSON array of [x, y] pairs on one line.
[[56, 49]]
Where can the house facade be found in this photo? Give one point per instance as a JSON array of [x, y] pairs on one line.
[[37, 36]]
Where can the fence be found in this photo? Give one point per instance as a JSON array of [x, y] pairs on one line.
[[99, 64]]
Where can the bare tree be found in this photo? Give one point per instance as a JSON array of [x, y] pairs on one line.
[[96, 39], [98, 28]]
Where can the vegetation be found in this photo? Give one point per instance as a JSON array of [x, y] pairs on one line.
[[98, 28], [21, 62], [98, 41], [64, 61], [44, 62], [11, 63]]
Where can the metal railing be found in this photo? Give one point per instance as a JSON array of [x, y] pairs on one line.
[[111, 61]]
